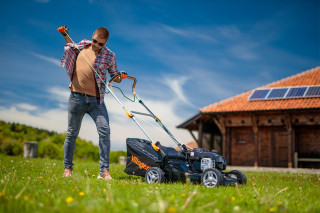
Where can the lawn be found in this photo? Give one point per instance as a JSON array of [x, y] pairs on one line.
[[37, 185]]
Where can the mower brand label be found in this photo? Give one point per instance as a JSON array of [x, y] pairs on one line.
[[139, 163]]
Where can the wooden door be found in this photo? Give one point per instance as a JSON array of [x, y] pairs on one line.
[[242, 147], [279, 141]]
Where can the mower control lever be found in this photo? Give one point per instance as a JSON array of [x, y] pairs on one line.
[[121, 75], [124, 75]]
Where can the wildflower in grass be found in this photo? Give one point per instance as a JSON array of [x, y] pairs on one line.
[[81, 194], [233, 198], [271, 209], [25, 198], [172, 196], [1, 194], [182, 195], [41, 177], [172, 209], [69, 200], [236, 208]]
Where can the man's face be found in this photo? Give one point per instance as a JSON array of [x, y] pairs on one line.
[[97, 42]]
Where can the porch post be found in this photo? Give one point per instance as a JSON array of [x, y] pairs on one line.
[[200, 133], [289, 129], [219, 121], [194, 137], [255, 132]]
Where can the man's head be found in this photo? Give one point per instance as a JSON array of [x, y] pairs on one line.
[[99, 38]]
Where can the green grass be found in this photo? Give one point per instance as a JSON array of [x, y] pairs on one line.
[[37, 185]]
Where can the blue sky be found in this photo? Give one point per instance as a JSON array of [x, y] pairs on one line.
[[185, 55]]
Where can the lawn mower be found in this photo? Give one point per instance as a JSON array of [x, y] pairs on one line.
[[158, 163]]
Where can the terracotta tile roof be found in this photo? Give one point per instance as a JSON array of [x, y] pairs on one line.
[[241, 102]]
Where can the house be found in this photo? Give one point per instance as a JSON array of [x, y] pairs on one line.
[[276, 125]]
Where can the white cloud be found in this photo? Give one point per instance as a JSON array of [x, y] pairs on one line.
[[190, 33], [26, 107], [176, 84], [48, 119], [47, 59], [59, 94]]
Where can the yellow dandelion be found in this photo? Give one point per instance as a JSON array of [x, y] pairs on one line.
[[26, 198], [271, 209], [93, 175], [182, 195], [233, 198], [172, 210], [81, 193], [69, 200], [41, 177]]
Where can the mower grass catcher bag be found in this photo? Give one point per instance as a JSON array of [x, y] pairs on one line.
[[140, 156]]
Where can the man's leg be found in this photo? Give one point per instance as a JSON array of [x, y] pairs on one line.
[[99, 114], [76, 111]]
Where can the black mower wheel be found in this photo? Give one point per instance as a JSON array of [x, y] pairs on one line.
[[211, 178], [242, 179], [155, 175]]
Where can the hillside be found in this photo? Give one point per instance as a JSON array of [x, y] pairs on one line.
[[50, 143]]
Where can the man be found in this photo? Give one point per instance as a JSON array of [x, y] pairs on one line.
[[87, 64]]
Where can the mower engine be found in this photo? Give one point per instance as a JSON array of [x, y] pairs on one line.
[[201, 159]]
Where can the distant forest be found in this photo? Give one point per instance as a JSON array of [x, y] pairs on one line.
[[50, 143]]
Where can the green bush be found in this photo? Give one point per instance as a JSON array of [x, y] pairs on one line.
[[115, 155], [86, 150], [50, 150], [12, 148], [58, 139]]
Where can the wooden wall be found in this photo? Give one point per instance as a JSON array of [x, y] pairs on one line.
[[270, 138]]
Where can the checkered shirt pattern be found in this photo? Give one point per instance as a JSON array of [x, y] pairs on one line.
[[105, 61]]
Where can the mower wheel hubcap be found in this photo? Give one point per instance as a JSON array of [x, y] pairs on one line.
[[153, 177], [210, 179]]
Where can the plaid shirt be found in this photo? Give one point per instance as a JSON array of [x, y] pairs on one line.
[[106, 60]]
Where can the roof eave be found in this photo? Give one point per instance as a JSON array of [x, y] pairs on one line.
[[190, 120]]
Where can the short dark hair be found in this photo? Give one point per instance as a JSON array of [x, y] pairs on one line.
[[103, 33]]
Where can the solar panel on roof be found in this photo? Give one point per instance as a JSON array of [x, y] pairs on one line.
[[259, 94], [285, 93], [296, 92], [313, 91], [277, 93]]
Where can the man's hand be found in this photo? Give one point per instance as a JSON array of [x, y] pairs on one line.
[[118, 80], [63, 30], [123, 75]]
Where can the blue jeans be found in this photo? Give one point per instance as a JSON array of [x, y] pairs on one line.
[[78, 105]]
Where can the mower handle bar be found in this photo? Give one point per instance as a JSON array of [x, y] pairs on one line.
[[123, 75]]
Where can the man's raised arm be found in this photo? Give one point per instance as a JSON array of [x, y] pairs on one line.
[[65, 32]]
